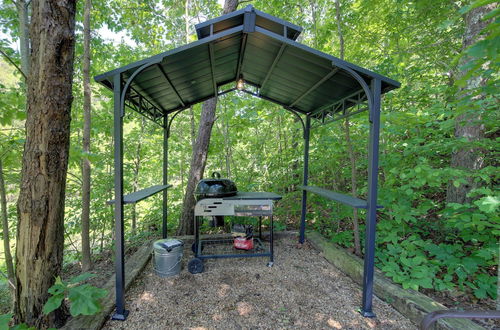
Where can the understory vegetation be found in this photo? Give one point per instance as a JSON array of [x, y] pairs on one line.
[[424, 240]]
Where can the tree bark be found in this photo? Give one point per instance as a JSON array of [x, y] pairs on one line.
[[354, 188], [186, 38], [136, 170], [5, 228], [339, 28], [230, 6], [350, 149], [198, 162], [86, 168], [200, 151], [468, 125], [40, 234], [24, 40]]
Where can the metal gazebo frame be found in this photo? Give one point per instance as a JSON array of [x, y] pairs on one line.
[[259, 49]]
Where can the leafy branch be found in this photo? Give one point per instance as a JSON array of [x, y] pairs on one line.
[[84, 298], [11, 61]]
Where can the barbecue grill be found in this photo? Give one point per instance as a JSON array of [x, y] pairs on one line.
[[248, 204]]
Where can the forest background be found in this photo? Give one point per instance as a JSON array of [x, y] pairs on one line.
[[426, 238]]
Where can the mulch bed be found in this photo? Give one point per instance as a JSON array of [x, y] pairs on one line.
[[302, 290]]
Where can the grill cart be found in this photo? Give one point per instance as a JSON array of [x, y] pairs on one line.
[[248, 204]]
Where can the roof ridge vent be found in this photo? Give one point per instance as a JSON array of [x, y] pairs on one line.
[[258, 19]]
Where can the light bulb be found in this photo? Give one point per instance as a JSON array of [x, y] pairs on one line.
[[240, 85]]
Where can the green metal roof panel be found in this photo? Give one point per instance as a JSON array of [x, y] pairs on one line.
[[283, 70]]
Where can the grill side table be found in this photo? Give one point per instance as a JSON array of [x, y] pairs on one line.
[[253, 204]]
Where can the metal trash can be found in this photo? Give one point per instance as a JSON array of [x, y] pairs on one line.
[[167, 257]]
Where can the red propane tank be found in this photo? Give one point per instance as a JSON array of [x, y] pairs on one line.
[[243, 243]]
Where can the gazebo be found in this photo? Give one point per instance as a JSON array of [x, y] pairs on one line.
[[255, 53]]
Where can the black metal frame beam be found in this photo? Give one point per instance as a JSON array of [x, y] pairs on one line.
[[211, 55], [371, 213], [274, 101], [241, 55], [348, 106], [373, 98], [305, 180], [120, 313], [316, 85], [165, 176], [273, 65], [179, 98], [145, 108]]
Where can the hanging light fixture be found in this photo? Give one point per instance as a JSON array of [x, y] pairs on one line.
[[240, 84]]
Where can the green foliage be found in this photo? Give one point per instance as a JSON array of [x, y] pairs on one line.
[[259, 145], [84, 298], [486, 50], [5, 299], [5, 320]]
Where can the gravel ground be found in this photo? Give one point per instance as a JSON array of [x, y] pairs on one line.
[[302, 290]]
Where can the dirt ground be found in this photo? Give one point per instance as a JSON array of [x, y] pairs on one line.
[[302, 290]]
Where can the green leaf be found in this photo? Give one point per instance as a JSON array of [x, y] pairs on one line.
[[4, 320], [53, 303], [480, 293], [22, 326], [85, 300], [425, 282], [488, 204], [57, 289], [81, 278]]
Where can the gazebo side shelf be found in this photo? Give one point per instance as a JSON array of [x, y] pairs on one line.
[[341, 198], [141, 194]]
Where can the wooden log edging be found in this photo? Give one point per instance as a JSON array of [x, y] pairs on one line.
[[133, 268], [412, 304]]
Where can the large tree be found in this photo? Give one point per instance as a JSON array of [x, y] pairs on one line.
[[86, 258], [469, 124], [200, 151], [40, 234]]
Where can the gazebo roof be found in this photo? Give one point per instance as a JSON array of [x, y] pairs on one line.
[[252, 45]]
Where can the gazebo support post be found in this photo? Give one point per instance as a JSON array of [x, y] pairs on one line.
[[307, 130], [371, 212], [165, 175], [120, 313]]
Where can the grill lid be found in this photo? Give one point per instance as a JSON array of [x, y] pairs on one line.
[[215, 187]]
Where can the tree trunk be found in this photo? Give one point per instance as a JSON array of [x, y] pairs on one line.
[[136, 170], [24, 40], [198, 162], [5, 228], [339, 28], [352, 155], [229, 6], [40, 234], [354, 189], [200, 151], [468, 125], [295, 136], [186, 38], [86, 254]]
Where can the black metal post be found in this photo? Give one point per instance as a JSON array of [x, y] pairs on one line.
[[197, 241], [165, 175], [305, 179], [271, 243], [120, 313], [371, 212]]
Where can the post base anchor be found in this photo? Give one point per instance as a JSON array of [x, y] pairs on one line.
[[120, 316], [368, 314]]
